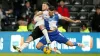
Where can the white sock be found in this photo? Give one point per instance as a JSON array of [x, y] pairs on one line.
[[44, 31], [23, 46]]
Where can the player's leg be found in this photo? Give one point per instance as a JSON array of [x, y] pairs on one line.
[[40, 23], [45, 49], [41, 43], [35, 34], [61, 39], [69, 43], [24, 45], [44, 31]]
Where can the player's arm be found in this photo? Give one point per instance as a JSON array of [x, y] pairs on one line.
[[39, 13], [68, 19]]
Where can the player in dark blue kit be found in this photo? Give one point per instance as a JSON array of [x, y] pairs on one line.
[[54, 34]]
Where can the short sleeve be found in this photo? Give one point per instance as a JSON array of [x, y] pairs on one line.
[[60, 17]]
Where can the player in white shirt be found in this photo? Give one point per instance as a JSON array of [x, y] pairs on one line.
[[39, 29]]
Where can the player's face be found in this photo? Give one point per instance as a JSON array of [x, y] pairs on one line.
[[45, 7], [28, 4], [98, 11], [61, 3], [51, 13], [83, 27]]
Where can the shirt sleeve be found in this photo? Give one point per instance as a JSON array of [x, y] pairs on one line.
[[60, 17]]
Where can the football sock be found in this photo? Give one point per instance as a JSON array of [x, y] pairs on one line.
[[75, 44], [24, 46], [46, 35]]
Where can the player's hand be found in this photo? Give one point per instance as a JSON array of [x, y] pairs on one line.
[[39, 13], [77, 21]]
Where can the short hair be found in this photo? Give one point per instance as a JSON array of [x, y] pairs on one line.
[[60, 1], [98, 6], [46, 3], [84, 24], [27, 2], [22, 22], [51, 8]]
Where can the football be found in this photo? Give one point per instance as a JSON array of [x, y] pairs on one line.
[[47, 50]]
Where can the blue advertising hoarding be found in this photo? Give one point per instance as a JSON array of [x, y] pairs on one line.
[[90, 40]]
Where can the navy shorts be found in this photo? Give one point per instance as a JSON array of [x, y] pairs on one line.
[[55, 36], [37, 33]]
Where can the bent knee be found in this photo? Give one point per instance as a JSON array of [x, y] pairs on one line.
[[39, 45]]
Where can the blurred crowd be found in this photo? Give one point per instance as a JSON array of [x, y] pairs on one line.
[[20, 17]]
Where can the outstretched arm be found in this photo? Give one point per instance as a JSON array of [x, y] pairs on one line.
[[70, 20]]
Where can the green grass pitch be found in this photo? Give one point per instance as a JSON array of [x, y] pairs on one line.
[[30, 54]]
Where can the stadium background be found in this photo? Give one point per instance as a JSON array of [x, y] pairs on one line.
[[83, 10]]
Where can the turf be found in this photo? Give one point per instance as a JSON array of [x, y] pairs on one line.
[[23, 54]]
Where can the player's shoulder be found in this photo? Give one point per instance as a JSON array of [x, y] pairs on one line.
[[39, 12], [56, 12], [45, 12]]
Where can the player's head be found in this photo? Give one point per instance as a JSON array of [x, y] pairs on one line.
[[98, 9], [84, 26], [51, 10], [62, 2], [45, 6], [27, 3]]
